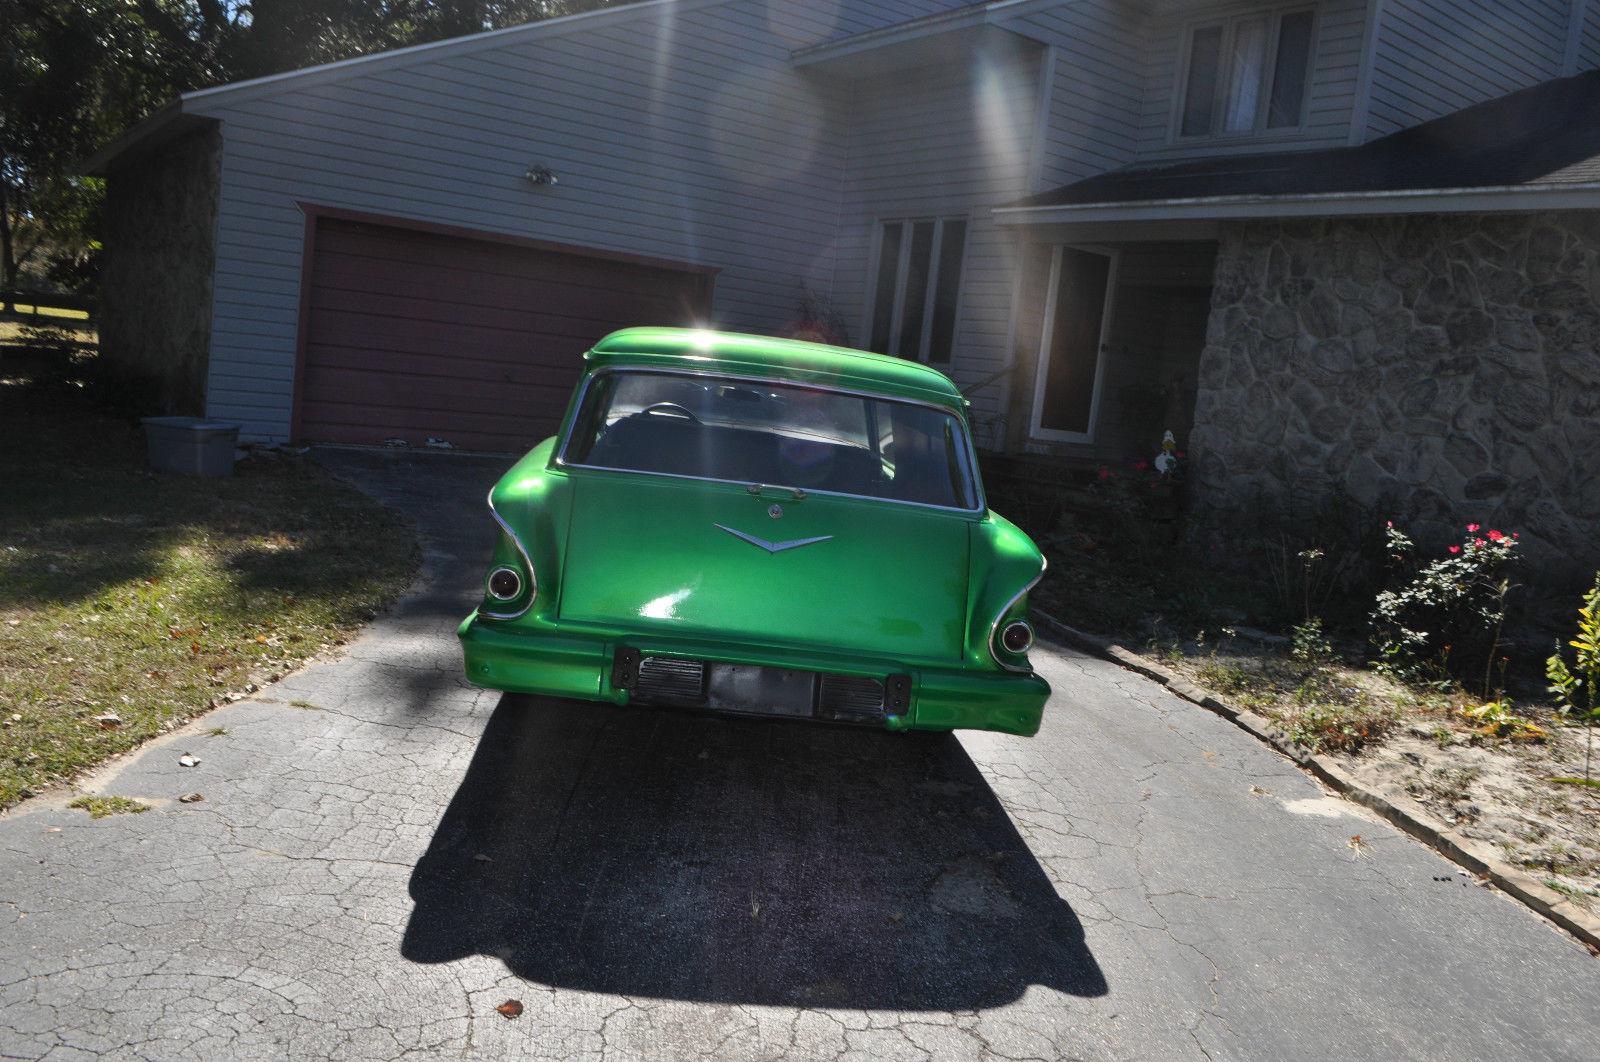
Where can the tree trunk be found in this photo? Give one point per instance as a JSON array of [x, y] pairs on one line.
[[8, 263]]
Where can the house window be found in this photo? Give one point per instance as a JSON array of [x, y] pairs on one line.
[[1247, 76], [918, 287]]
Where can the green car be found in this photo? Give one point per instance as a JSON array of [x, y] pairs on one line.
[[760, 526]]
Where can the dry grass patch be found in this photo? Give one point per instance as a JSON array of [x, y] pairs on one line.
[[1487, 769], [131, 601]]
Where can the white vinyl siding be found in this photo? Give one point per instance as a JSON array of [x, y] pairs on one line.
[[1438, 56], [851, 17], [942, 142], [1589, 47], [678, 132], [1095, 84], [1330, 86]]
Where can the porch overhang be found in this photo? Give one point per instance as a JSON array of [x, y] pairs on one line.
[[1201, 217]]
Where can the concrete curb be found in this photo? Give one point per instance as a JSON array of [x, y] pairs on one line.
[[1406, 814]]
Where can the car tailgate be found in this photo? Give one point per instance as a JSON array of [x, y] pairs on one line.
[[687, 557]]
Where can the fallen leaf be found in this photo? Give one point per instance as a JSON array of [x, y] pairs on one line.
[[896, 916], [188, 760], [53, 829], [109, 721], [511, 1008], [480, 857], [190, 798]]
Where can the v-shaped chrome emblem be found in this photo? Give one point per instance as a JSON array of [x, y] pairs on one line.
[[774, 547]]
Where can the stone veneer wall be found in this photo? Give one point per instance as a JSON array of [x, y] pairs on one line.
[[155, 285], [1439, 369]]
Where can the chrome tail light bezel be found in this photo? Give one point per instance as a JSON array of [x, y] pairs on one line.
[[507, 595], [997, 649], [531, 590], [1009, 633]]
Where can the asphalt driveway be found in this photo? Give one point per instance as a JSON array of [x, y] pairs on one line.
[[384, 855]]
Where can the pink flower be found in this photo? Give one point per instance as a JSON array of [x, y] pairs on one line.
[[1179, 454], [1472, 527], [1390, 523], [1105, 473], [1140, 466], [1495, 536], [1455, 549]]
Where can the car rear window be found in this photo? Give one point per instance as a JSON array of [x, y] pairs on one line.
[[774, 434]]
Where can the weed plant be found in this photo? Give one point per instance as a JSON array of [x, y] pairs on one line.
[[1577, 689]]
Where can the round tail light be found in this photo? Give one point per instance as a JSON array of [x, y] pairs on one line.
[[1017, 637], [504, 584]]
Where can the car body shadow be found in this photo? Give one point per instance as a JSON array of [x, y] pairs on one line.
[[680, 856]]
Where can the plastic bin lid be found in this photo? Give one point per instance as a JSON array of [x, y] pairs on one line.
[[198, 423]]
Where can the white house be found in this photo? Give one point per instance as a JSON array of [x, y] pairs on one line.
[[1273, 228]]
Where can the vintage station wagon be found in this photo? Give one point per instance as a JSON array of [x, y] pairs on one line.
[[741, 524]]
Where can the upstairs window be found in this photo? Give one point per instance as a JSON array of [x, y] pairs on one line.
[[1247, 76], [918, 287]]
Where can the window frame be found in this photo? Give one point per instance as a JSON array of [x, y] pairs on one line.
[[1041, 378], [931, 285], [1229, 24]]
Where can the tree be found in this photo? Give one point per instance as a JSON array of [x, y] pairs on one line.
[[288, 34], [74, 74]]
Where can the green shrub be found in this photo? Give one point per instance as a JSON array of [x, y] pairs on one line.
[[1444, 622]]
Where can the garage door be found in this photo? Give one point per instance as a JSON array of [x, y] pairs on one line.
[[418, 335]]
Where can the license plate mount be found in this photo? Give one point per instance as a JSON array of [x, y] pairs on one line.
[[756, 690]]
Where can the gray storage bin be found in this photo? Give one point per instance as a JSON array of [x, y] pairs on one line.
[[192, 446]]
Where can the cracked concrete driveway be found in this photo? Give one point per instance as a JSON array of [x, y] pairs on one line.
[[385, 854]]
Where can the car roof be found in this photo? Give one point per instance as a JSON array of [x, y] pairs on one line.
[[701, 350]]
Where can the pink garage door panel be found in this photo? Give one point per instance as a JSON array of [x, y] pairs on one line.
[[419, 335]]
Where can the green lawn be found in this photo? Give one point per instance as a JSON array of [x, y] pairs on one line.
[[149, 597], [74, 323]]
